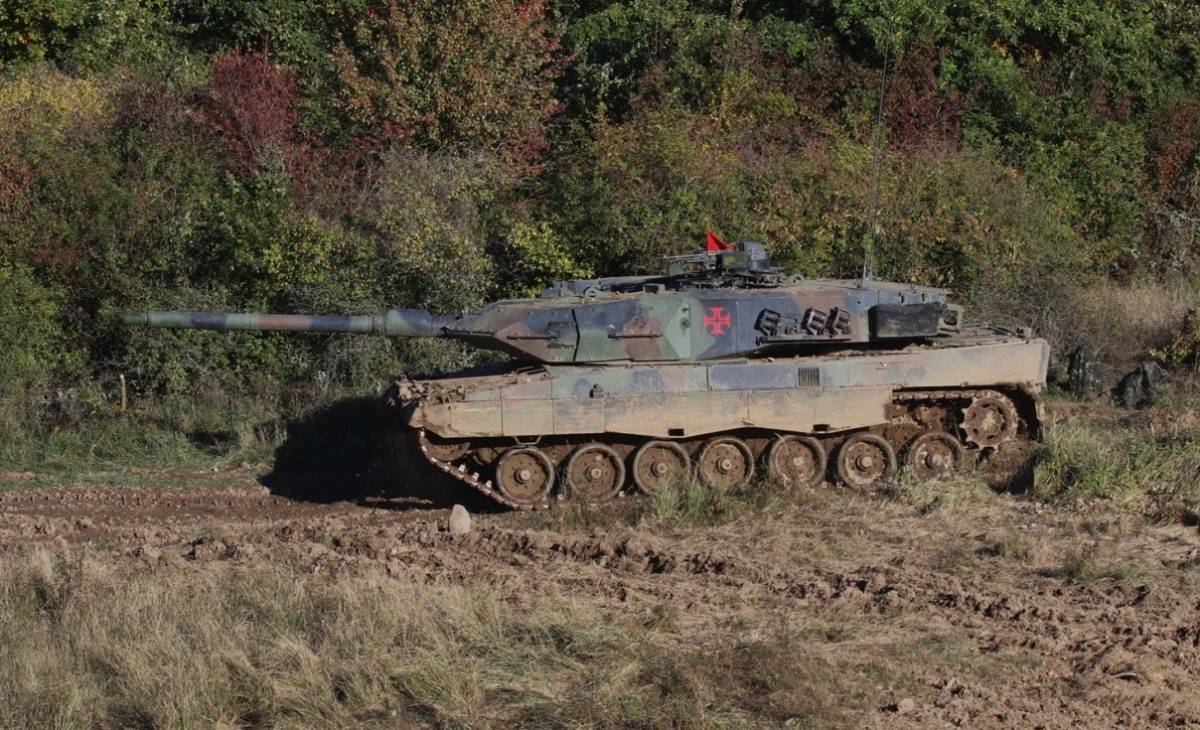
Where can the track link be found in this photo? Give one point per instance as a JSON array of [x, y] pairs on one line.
[[472, 479]]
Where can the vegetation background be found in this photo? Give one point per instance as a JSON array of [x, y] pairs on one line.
[[1040, 160]]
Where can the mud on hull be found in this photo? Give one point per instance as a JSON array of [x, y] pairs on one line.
[[529, 437]]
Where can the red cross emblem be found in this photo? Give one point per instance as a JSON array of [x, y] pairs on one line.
[[716, 321]]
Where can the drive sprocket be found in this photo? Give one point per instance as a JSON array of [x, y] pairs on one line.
[[990, 420]]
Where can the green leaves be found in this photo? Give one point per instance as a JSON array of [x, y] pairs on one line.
[[535, 256], [93, 34], [324, 156]]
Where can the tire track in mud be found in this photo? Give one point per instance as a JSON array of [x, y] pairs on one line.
[[1116, 655], [1097, 655]]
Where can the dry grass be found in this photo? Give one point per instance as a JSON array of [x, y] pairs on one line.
[[963, 492], [85, 645], [1122, 321], [261, 647], [89, 641]]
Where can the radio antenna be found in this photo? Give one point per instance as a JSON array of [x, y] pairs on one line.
[[877, 173]]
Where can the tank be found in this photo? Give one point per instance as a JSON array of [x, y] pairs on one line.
[[721, 369]]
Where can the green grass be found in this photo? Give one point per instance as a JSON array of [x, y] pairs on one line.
[[180, 435], [1124, 465], [695, 505], [205, 433]]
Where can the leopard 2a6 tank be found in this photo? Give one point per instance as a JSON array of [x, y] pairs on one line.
[[718, 370]]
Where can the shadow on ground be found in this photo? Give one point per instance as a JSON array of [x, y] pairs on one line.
[[353, 450], [1012, 468]]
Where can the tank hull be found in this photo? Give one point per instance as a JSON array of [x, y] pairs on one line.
[[979, 388]]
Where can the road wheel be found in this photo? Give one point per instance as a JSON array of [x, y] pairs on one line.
[[725, 464], [796, 461], [865, 460], [525, 475], [934, 455], [594, 473], [659, 464]]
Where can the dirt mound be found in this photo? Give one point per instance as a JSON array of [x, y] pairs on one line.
[[1021, 616]]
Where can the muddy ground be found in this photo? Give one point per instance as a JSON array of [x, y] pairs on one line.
[[1016, 614]]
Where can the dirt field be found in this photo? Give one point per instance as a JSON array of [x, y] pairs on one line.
[[951, 607]]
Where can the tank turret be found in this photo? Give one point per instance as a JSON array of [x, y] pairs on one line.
[[720, 368], [708, 306]]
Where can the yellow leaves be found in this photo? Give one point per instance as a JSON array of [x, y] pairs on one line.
[[541, 257], [305, 255], [50, 103]]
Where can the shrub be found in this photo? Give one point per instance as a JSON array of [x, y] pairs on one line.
[[89, 33], [476, 73], [424, 228], [31, 338], [533, 256], [957, 219], [34, 353], [253, 105], [1184, 348]]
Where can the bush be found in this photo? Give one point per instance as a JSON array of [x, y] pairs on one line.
[[424, 229], [474, 73], [957, 219], [533, 256], [88, 33], [1184, 348], [33, 351]]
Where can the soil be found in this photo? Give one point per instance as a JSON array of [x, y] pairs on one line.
[[1059, 618]]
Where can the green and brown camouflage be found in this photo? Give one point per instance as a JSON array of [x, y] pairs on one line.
[[720, 366], [718, 310], [395, 323]]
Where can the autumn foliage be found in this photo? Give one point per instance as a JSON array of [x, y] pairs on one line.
[[252, 104], [476, 73], [310, 155]]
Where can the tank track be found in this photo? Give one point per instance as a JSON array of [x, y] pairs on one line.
[[471, 479], [1027, 421]]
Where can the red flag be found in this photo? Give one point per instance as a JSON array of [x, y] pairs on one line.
[[716, 245]]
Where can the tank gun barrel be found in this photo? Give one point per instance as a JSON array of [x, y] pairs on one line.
[[394, 323]]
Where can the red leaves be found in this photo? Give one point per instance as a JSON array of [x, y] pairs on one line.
[[252, 104], [1174, 157], [919, 114]]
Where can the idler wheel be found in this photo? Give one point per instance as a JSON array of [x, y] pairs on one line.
[[934, 455], [594, 473], [989, 421], [525, 475], [659, 464], [446, 450], [865, 460], [796, 461], [725, 464]]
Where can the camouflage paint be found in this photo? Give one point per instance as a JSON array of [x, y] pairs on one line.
[[656, 325], [833, 393], [395, 323]]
